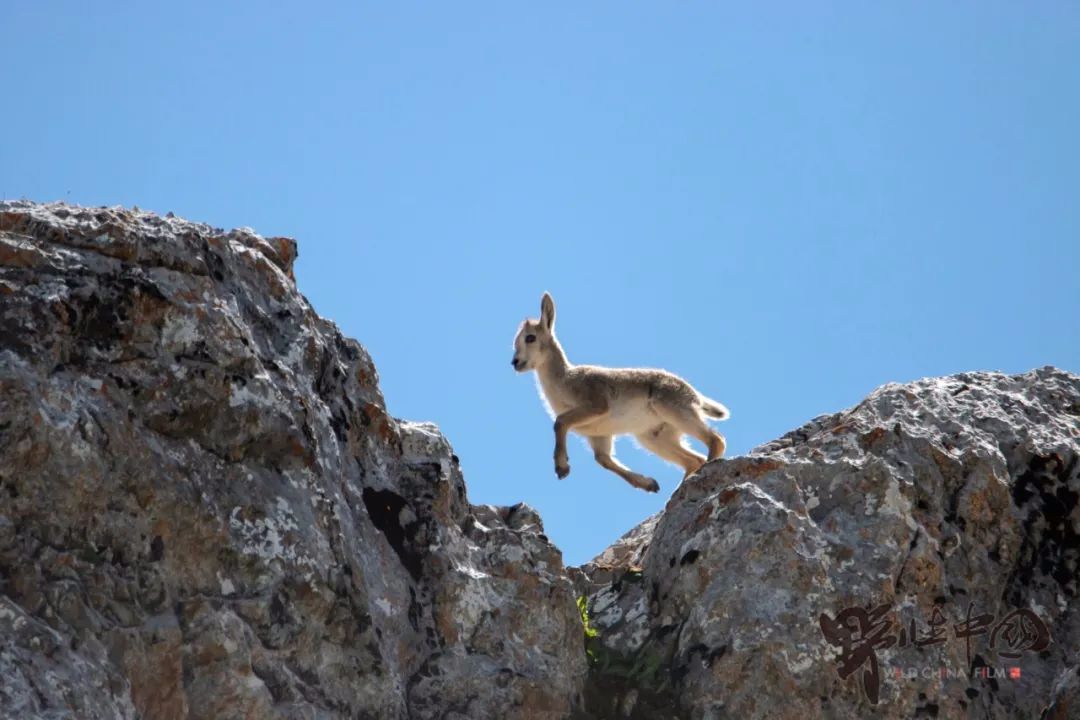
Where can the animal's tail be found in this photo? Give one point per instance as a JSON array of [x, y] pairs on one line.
[[714, 409]]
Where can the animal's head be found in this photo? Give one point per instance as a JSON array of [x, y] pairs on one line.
[[535, 338]]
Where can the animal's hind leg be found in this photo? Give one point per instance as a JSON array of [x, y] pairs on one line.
[[602, 446], [689, 421], [666, 441]]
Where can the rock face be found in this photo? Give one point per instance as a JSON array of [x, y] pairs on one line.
[[921, 502], [206, 512]]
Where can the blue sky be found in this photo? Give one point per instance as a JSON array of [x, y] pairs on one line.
[[789, 204]]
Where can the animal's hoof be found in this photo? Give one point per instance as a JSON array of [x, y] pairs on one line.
[[643, 483], [562, 471]]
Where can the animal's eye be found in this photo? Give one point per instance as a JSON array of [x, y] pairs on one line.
[[530, 338]]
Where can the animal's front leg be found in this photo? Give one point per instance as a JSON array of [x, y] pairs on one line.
[[563, 424], [562, 460], [562, 463]]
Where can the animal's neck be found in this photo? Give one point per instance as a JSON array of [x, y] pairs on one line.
[[555, 366]]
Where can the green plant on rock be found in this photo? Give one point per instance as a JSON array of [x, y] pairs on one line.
[[590, 632]]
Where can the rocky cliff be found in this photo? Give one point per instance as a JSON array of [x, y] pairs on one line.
[[207, 512], [913, 556]]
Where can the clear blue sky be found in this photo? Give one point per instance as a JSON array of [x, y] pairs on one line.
[[787, 203]]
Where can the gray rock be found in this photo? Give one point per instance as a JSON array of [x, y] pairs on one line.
[[206, 511], [927, 497]]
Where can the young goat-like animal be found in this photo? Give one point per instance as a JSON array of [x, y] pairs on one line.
[[655, 406]]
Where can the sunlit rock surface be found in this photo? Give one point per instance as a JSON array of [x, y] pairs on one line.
[[206, 511], [942, 493]]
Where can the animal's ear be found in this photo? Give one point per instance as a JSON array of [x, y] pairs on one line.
[[547, 311]]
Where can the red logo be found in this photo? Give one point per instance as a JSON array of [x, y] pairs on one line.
[[1014, 673]]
